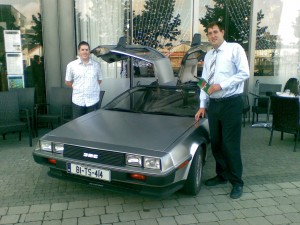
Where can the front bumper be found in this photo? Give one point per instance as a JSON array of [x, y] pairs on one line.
[[155, 185]]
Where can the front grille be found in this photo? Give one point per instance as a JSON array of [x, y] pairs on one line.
[[104, 157]]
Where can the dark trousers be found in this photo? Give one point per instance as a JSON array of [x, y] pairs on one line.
[[225, 122], [81, 110]]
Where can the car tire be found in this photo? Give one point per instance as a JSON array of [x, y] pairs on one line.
[[192, 185]]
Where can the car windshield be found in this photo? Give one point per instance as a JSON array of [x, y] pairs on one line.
[[176, 101]]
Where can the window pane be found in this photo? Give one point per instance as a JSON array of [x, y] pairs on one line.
[[165, 26], [21, 46], [102, 23], [277, 49]]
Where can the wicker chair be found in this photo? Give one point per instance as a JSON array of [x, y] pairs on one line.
[[51, 113], [261, 103], [10, 121], [101, 98], [26, 98], [285, 112], [246, 109], [260, 106]]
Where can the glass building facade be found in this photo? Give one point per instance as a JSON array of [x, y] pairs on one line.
[[48, 32], [21, 46]]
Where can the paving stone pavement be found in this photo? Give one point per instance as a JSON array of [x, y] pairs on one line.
[[271, 193]]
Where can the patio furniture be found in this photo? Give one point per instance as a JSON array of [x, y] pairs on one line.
[[246, 108], [285, 112], [260, 106], [261, 103], [26, 99], [101, 98], [10, 121], [269, 89], [51, 113]]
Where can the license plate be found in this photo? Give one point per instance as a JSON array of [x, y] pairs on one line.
[[88, 171]]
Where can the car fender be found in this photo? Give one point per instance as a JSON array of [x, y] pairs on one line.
[[198, 140]]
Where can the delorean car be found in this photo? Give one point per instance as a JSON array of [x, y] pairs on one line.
[[145, 141]]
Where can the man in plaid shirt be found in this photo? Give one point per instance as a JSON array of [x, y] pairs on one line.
[[84, 76]]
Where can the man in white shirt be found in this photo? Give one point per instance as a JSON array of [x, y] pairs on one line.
[[225, 69], [84, 76]]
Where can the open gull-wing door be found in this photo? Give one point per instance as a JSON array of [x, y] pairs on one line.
[[190, 61], [114, 53]]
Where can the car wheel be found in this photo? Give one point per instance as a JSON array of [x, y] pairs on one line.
[[193, 183]]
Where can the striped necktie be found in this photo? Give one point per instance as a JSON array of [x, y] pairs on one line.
[[212, 67]]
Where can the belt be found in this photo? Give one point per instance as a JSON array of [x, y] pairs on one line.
[[225, 99]]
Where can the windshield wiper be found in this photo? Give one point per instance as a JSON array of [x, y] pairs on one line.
[[163, 113], [121, 110]]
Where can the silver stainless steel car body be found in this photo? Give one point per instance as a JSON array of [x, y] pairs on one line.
[[154, 124]]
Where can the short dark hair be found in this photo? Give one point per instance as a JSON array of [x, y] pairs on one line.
[[216, 23], [83, 43], [293, 85]]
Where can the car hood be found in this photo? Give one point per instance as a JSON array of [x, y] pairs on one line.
[[122, 129]]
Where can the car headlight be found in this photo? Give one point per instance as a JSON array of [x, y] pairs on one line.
[[46, 146], [134, 160], [51, 146], [152, 163], [58, 148]]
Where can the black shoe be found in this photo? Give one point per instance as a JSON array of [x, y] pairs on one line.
[[236, 192], [215, 181]]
